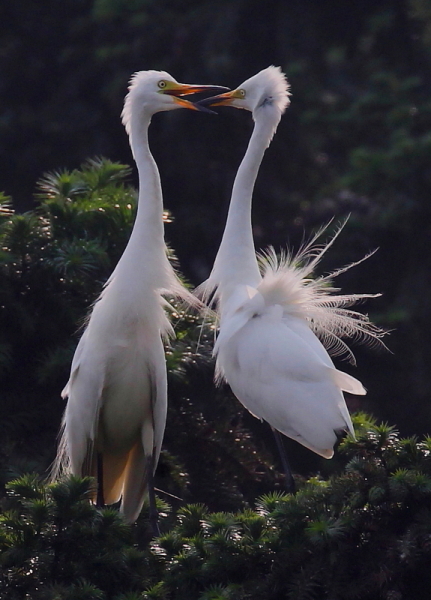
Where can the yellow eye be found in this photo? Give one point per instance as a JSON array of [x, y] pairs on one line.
[[162, 84], [242, 93]]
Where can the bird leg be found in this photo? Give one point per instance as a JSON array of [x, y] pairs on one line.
[[100, 500], [289, 481], [153, 512]]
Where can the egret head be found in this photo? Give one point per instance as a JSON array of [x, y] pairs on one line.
[[268, 88], [156, 91]]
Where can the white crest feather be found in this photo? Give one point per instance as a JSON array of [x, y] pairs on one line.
[[269, 86], [277, 86]]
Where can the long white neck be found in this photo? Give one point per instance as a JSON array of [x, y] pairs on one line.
[[145, 257], [236, 262], [148, 228]]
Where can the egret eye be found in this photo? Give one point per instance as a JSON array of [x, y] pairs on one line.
[[162, 84], [242, 93]]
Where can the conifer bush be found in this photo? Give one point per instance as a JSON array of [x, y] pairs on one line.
[[363, 534]]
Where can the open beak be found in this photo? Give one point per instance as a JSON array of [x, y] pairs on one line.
[[177, 90], [221, 99]]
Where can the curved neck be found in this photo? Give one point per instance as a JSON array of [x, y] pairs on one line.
[[148, 227], [144, 262], [236, 259]]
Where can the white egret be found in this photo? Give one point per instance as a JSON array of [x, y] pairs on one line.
[[115, 416], [271, 318]]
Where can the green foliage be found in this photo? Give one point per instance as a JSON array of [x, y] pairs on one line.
[[53, 263], [54, 539], [362, 534]]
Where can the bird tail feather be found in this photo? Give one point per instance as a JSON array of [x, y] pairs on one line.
[[347, 383], [135, 483]]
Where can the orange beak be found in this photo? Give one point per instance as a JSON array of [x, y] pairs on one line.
[[176, 90], [222, 99]]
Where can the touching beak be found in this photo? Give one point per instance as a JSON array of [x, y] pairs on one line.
[[221, 99], [182, 89]]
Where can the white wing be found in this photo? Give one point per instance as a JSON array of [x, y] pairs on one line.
[[281, 373], [84, 393]]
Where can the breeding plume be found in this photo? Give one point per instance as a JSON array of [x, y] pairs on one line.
[[117, 392], [275, 320]]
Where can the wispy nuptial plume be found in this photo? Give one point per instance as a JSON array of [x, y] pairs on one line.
[[289, 280]]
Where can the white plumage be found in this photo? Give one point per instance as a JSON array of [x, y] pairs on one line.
[[271, 318]]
